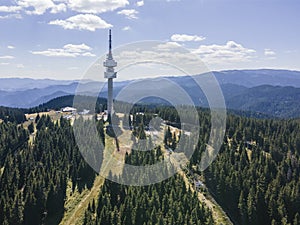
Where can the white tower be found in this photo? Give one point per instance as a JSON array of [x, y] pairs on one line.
[[110, 73]]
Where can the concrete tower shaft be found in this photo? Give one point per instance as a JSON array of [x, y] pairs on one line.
[[110, 73]]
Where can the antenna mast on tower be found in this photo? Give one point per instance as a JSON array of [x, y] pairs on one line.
[[110, 73]]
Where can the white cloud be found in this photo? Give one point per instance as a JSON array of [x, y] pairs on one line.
[[168, 46], [11, 16], [269, 52], [185, 37], [20, 66], [88, 54], [4, 64], [59, 8], [126, 28], [68, 50], [10, 9], [77, 48], [231, 52], [40, 6], [82, 22], [96, 6], [55, 53], [140, 3], [34, 7], [10, 47], [129, 13], [7, 57], [170, 55]]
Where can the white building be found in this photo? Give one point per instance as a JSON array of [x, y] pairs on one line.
[[69, 110]]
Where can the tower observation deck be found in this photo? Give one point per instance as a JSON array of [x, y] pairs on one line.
[[110, 73]]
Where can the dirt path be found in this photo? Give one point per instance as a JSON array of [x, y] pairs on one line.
[[76, 215], [219, 216], [111, 156], [112, 161]]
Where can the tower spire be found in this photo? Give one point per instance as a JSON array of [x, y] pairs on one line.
[[110, 43], [110, 74]]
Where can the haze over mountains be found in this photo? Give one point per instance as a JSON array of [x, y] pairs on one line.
[[272, 92], [252, 78]]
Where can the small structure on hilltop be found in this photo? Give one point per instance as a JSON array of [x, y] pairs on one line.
[[69, 110]]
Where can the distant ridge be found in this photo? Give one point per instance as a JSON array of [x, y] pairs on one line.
[[252, 78], [247, 78], [20, 84], [265, 91]]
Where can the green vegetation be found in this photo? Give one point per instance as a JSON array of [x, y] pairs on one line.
[[12, 115], [34, 180], [276, 101], [83, 102], [167, 202], [45, 180], [256, 175]]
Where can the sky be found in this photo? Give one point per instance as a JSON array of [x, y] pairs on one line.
[[61, 39]]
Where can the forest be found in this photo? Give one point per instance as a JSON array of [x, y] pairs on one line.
[[255, 177], [167, 202], [34, 173]]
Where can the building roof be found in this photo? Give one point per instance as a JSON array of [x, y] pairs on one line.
[[68, 109]]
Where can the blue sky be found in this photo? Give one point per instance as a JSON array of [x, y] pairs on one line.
[[60, 39]]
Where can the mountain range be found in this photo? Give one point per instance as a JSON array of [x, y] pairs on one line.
[[271, 92]]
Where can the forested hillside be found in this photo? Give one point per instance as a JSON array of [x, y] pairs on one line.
[[12, 115], [255, 177], [282, 102], [85, 102], [167, 202], [34, 174]]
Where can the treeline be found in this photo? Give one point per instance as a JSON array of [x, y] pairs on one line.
[[35, 172], [12, 115], [82, 102]]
